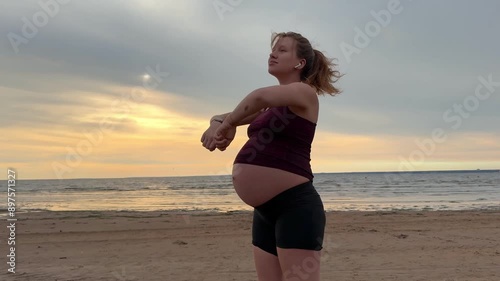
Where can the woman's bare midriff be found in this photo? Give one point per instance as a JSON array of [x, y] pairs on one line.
[[256, 185]]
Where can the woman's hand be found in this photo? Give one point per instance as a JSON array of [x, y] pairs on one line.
[[208, 137], [209, 141], [224, 134], [224, 142]]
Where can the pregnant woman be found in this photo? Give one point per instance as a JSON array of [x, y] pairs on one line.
[[272, 171]]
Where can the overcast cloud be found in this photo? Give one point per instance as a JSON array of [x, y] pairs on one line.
[[426, 59]]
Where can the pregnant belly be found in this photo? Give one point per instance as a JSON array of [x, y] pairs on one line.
[[256, 185]]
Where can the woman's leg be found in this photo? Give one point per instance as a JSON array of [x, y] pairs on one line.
[[264, 246], [299, 236], [299, 264], [267, 265]]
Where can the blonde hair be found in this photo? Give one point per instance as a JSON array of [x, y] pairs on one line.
[[319, 71]]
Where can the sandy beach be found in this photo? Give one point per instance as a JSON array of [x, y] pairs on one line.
[[444, 245]]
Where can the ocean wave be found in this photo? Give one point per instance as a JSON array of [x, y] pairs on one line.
[[97, 188], [204, 186]]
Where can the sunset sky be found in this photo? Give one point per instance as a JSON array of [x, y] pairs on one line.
[[104, 89]]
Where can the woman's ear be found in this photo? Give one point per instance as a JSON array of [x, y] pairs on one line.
[[301, 64]]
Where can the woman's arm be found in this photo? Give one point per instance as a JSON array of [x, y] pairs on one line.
[[294, 94], [247, 120], [207, 138]]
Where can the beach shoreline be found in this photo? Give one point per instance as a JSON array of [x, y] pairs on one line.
[[190, 245]]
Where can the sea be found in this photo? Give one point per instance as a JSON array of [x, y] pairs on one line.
[[375, 191]]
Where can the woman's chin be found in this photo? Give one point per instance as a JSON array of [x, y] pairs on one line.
[[271, 71]]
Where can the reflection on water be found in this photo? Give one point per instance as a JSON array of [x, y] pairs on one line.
[[340, 192]]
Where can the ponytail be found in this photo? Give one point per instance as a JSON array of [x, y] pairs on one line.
[[322, 74]]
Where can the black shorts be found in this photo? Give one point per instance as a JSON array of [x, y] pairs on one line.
[[293, 219]]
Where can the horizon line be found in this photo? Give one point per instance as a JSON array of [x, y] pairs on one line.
[[370, 172]]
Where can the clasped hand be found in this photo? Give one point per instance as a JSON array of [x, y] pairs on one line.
[[218, 135]]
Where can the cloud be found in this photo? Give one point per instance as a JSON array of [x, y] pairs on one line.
[[90, 55]]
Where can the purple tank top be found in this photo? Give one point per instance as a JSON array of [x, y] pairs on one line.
[[278, 138]]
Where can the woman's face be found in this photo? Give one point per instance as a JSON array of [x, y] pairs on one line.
[[283, 58]]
